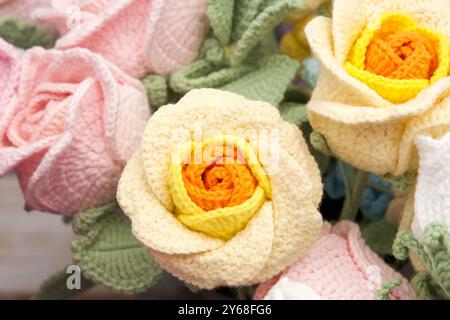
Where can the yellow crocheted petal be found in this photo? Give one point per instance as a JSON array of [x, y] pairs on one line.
[[396, 90], [290, 46], [221, 223], [224, 223]]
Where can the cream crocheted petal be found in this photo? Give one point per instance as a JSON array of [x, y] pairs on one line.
[[291, 140], [235, 264], [350, 17], [152, 224], [297, 222], [357, 127], [338, 85], [206, 111], [355, 102]]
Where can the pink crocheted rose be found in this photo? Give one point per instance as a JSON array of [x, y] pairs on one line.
[[9, 78], [21, 8], [140, 36], [339, 266], [77, 120]]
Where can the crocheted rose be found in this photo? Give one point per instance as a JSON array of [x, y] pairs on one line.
[[216, 207], [338, 267], [77, 120], [383, 80], [9, 78], [21, 8], [139, 36]]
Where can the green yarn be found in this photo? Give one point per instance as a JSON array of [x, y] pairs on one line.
[[261, 25], [268, 82], [203, 74], [157, 90], [294, 113], [109, 254], [434, 253], [401, 185], [55, 288], [380, 236], [245, 12], [220, 13], [387, 287], [421, 284], [24, 34], [319, 143], [241, 29]]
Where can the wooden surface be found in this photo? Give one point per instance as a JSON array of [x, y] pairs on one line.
[[33, 245]]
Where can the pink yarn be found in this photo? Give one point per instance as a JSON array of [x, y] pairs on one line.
[[21, 8], [139, 36], [340, 266], [9, 79], [76, 122]]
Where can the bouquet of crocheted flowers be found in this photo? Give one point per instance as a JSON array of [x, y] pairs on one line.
[[282, 149]]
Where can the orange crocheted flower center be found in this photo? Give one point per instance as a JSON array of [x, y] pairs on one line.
[[402, 55], [225, 181]]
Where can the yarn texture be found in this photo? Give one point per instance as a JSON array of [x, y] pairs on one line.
[[283, 227], [139, 36], [75, 121], [338, 267], [361, 126], [241, 54], [109, 254]]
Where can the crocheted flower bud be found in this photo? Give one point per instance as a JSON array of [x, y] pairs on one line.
[[383, 80], [223, 191]]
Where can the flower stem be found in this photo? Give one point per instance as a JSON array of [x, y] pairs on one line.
[[353, 200]]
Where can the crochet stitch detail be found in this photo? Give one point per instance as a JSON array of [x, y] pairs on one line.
[[217, 185], [398, 58]]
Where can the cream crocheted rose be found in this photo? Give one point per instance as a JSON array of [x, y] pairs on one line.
[[252, 219], [384, 80]]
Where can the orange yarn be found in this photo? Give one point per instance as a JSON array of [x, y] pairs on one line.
[[402, 55], [224, 182]]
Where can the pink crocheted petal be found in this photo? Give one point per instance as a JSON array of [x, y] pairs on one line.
[[11, 156], [178, 35], [120, 34], [78, 171], [127, 122], [375, 270], [63, 21], [21, 8], [9, 78]]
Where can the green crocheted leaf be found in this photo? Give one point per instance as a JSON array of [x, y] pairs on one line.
[[55, 288], [434, 252], [157, 90], [380, 236], [261, 25], [203, 74], [267, 83], [109, 254], [220, 14], [294, 113], [210, 71], [245, 12], [387, 287], [24, 34]]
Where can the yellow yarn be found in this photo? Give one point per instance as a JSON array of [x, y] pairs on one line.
[[224, 222], [294, 43], [392, 89]]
